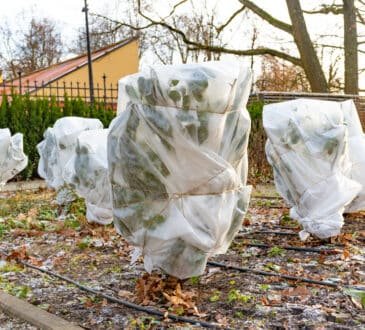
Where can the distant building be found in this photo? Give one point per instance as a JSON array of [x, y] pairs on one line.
[[71, 76]]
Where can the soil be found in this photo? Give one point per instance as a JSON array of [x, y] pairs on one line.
[[99, 258]]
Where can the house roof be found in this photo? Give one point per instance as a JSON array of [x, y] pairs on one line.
[[59, 70]]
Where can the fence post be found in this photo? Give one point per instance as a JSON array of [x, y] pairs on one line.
[[104, 88], [57, 94], [43, 88], [20, 82], [85, 96]]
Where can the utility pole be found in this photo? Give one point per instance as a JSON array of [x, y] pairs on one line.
[[89, 62]]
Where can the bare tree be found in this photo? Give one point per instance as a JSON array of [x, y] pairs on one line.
[[40, 46], [351, 49], [279, 75], [352, 15], [189, 40], [102, 33], [8, 60]]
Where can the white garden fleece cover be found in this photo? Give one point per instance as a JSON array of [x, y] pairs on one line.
[[177, 155], [87, 173], [12, 158], [58, 147], [357, 153], [308, 149]]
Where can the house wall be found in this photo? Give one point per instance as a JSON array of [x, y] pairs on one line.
[[115, 65]]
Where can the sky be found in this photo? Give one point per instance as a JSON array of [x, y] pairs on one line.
[[69, 17]]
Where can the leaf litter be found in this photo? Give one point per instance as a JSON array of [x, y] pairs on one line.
[[99, 258]]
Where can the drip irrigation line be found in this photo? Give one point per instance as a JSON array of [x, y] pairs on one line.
[[148, 310], [295, 248], [273, 232], [266, 197], [287, 277]]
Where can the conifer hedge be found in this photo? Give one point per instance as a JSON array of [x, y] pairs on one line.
[[33, 116]]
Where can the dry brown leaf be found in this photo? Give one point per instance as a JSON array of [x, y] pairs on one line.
[[152, 289], [125, 294], [346, 254], [34, 261], [33, 212], [265, 301], [300, 291], [21, 217], [20, 253]]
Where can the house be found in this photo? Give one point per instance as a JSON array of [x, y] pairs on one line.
[[71, 76]]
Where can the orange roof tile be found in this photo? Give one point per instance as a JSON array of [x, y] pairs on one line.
[[58, 70]]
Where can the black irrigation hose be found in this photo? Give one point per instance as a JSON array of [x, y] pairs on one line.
[[273, 232], [294, 248], [266, 197], [148, 310], [287, 277]]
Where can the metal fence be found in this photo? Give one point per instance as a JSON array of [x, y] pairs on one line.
[[104, 92], [272, 97], [108, 93]]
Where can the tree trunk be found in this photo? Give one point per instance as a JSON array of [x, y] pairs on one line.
[[350, 44], [308, 55]]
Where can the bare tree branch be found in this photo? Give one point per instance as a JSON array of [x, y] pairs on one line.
[[267, 17], [326, 9], [174, 8], [230, 19], [360, 17], [254, 52]]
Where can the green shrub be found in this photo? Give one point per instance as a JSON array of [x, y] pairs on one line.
[[32, 116]]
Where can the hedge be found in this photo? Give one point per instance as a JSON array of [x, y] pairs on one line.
[[33, 116]]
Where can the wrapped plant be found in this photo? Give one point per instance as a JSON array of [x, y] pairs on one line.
[[56, 150], [177, 154], [308, 149], [356, 153], [87, 173], [12, 158]]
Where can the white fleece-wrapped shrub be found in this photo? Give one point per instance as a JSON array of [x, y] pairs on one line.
[[308, 149], [56, 150], [177, 154], [87, 173], [12, 158], [356, 152]]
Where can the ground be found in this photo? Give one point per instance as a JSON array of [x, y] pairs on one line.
[[11, 323], [99, 258]]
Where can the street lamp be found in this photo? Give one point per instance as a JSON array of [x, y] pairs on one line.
[[89, 62]]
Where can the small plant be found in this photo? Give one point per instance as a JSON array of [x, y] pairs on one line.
[[144, 323], [195, 280], [85, 243], [276, 251], [235, 295], [215, 297], [21, 291], [10, 268], [271, 266], [238, 314], [264, 287], [72, 222], [3, 229], [286, 220]]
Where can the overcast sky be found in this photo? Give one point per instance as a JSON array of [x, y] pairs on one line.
[[68, 15]]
